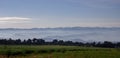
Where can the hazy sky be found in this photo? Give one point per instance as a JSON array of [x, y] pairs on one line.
[[59, 13]]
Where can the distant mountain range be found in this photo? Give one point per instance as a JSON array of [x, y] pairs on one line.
[[62, 28]]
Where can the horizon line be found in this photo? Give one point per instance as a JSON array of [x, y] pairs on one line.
[[55, 27]]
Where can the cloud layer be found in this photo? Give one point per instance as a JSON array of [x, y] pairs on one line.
[[13, 19]]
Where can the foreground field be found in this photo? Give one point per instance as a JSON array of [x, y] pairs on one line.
[[23, 51]]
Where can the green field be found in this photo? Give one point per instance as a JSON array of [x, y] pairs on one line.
[[49, 51]]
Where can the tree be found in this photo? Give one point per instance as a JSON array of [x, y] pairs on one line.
[[108, 44], [18, 41], [29, 41], [34, 40], [61, 42], [55, 41], [40, 41]]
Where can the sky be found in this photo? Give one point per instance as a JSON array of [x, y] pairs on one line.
[[59, 13]]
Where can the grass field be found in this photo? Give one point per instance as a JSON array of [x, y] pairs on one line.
[[49, 51]]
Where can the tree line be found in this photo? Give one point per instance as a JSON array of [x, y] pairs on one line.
[[35, 41]]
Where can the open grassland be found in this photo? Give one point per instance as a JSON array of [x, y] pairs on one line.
[[49, 51]]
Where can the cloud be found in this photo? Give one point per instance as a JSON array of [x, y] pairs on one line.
[[13, 19]]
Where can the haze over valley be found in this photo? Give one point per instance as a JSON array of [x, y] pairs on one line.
[[79, 34]]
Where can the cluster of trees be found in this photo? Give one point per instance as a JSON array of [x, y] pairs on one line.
[[36, 41]]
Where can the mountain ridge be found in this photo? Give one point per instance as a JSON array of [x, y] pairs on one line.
[[77, 28]]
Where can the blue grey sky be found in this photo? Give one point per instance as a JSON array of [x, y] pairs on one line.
[[59, 13]]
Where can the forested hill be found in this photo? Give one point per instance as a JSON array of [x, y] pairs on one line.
[[35, 41]]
